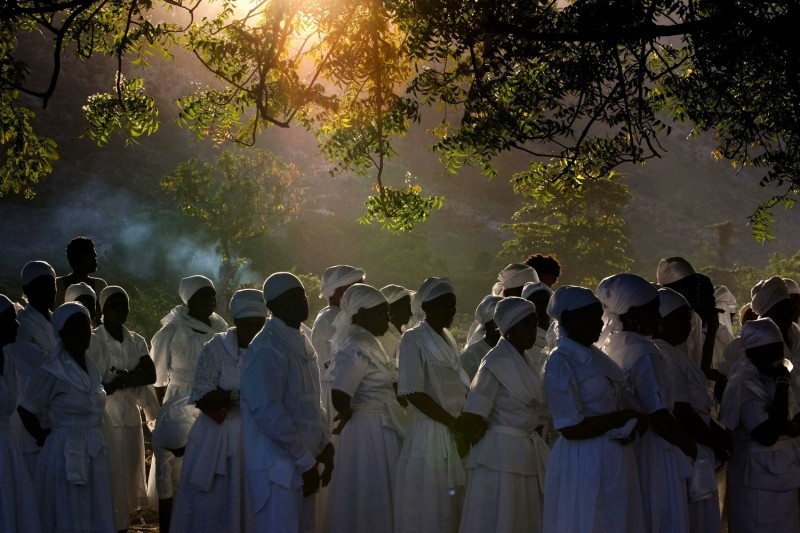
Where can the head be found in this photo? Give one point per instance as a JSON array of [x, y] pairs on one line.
[[286, 298], [772, 301], [676, 317], [631, 298], [547, 268], [81, 255], [746, 314], [642, 319], [706, 301], [83, 293], [72, 323], [115, 304], [249, 313], [516, 321], [440, 311], [794, 297], [678, 274], [491, 334], [512, 278], [763, 344], [539, 293], [39, 285], [337, 279], [203, 302], [9, 326], [579, 313], [400, 311]]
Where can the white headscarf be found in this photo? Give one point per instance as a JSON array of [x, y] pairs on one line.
[[339, 276], [355, 298], [5, 303], [792, 286], [110, 291], [755, 288], [485, 310], [34, 269], [771, 292], [532, 287], [394, 293], [433, 288], [510, 312], [669, 301], [725, 299], [64, 311], [280, 282], [569, 298], [760, 332], [246, 303], [514, 275], [190, 285], [618, 293], [673, 269], [79, 289]]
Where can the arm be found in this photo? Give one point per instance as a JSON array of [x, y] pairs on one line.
[[595, 426], [696, 428], [767, 432], [160, 352], [32, 425], [666, 426], [341, 402]]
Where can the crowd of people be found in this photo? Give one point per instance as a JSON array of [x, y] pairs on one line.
[[629, 407]]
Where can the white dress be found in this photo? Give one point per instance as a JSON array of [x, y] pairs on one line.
[[175, 349], [430, 474], [126, 446], [72, 483], [472, 356], [283, 426], [506, 468], [360, 496], [35, 342], [762, 481], [663, 467], [19, 512], [592, 485], [321, 335], [211, 494], [691, 386]]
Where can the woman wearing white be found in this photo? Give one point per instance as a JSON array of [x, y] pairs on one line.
[[664, 451], [592, 481], [759, 409], [485, 337], [73, 483], [18, 509], [211, 495], [371, 421], [430, 474], [505, 484], [124, 362]]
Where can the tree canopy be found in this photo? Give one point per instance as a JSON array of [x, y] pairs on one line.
[[581, 86]]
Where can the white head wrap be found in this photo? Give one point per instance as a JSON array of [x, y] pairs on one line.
[[755, 288], [5, 303], [532, 287], [673, 269], [569, 298], [246, 303], [79, 289], [485, 310], [771, 292], [110, 291], [394, 293], [792, 286], [355, 298], [510, 311], [669, 301], [64, 311], [192, 284], [280, 282], [514, 275], [725, 299], [760, 332], [34, 269], [618, 293], [432, 288], [339, 276]]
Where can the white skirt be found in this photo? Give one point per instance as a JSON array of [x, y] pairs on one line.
[[19, 512]]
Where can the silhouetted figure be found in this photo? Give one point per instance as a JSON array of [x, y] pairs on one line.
[[82, 259]]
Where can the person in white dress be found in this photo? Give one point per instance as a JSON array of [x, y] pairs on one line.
[[211, 495], [122, 357], [371, 422], [430, 483], [506, 467], [693, 404], [664, 453], [175, 349], [400, 314], [486, 336], [760, 410], [19, 512], [73, 480], [592, 479], [283, 423], [35, 342]]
